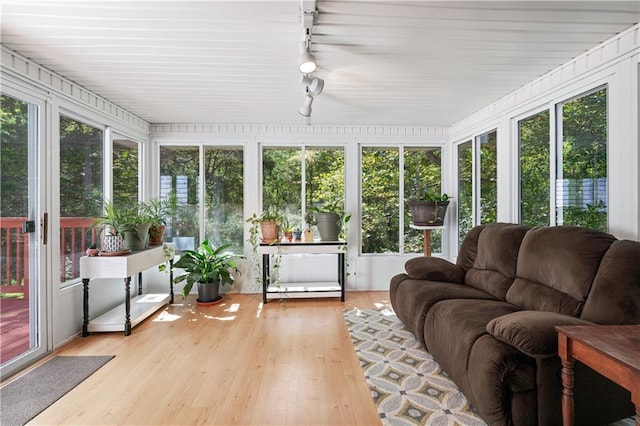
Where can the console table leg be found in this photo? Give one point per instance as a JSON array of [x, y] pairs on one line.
[[341, 275], [171, 281], [139, 283], [265, 276], [567, 392], [127, 306], [85, 307]]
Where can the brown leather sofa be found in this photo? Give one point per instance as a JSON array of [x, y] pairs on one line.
[[489, 319]]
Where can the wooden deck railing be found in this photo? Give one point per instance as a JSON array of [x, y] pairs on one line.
[[76, 234]]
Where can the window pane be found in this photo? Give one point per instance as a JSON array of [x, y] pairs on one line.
[[179, 172], [465, 190], [581, 185], [422, 171], [380, 200], [125, 173], [224, 183], [282, 181], [534, 170], [324, 178], [488, 178], [81, 190]]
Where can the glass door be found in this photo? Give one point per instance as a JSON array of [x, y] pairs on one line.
[[21, 287]]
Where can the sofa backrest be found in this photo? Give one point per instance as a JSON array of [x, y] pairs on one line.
[[494, 265], [556, 268], [615, 294]]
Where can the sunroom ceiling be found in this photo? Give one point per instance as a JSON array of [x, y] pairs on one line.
[[421, 63]]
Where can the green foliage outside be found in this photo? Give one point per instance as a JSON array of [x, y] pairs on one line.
[[465, 189], [534, 170], [380, 200]]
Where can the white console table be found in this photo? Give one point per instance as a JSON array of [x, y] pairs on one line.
[[136, 309], [307, 289]]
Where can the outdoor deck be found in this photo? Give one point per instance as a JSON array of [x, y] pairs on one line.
[[76, 234], [14, 328]]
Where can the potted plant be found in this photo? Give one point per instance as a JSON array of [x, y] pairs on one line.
[[269, 224], [159, 210], [430, 209], [330, 219], [110, 228], [287, 229], [209, 267], [135, 227]]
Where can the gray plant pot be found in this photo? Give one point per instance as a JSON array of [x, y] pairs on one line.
[[428, 213], [137, 240], [208, 292], [328, 226]]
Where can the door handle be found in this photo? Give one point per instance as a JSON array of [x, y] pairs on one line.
[[45, 228]]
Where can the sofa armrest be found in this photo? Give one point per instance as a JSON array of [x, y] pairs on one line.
[[434, 269], [531, 332]]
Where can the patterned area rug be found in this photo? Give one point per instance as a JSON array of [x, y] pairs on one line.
[[407, 385]]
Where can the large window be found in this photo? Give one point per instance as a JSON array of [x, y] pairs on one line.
[[488, 177], [390, 177], [81, 190], [477, 182], [282, 182], [126, 175], [422, 172], [309, 173], [465, 189], [534, 170], [581, 170], [223, 177], [179, 177]]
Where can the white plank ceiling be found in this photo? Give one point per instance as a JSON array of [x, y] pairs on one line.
[[408, 63]]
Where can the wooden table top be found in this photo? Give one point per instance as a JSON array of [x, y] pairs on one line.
[[620, 342]]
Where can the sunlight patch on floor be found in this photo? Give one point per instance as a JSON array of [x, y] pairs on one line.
[[165, 316]]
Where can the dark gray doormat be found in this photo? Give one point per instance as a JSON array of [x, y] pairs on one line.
[[27, 396]]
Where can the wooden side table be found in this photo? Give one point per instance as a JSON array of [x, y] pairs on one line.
[[611, 350], [427, 236]]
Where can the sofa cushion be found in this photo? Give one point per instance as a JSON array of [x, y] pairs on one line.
[[615, 294], [412, 299], [452, 327], [469, 248], [494, 267], [556, 267], [433, 269], [531, 332]]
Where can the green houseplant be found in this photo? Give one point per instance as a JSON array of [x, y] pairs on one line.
[[430, 208], [209, 267], [159, 211], [330, 219], [111, 227], [135, 227]]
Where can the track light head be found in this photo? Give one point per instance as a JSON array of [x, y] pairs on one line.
[[313, 84], [305, 109], [307, 62]]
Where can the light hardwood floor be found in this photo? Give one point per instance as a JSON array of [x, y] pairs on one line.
[[235, 363]]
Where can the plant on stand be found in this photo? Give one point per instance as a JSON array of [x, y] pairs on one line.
[[430, 208], [209, 267], [257, 236], [135, 227], [110, 228], [331, 220], [159, 211]]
